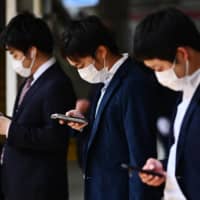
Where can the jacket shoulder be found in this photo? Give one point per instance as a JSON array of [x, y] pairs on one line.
[[137, 74]]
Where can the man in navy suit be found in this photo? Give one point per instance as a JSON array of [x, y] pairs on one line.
[[34, 156], [121, 127], [169, 43]]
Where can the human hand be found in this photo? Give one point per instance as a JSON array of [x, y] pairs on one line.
[[4, 125], [82, 105], [74, 125], [155, 166]]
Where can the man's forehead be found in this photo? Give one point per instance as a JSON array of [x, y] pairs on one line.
[[74, 61], [71, 62], [157, 64], [8, 48], [152, 60], [12, 49]]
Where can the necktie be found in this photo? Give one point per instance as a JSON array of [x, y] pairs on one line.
[[25, 90], [22, 95]]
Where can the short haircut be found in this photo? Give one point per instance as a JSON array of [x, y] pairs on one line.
[[25, 31], [159, 35], [82, 38]]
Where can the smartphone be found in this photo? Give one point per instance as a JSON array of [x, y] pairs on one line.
[[69, 118], [138, 169]]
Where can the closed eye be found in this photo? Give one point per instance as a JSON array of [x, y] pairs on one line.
[[158, 69], [79, 66]]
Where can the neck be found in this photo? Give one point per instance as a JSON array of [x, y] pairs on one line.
[[40, 60], [112, 59], [194, 61]]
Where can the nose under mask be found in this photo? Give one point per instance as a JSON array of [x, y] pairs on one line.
[[20, 69], [168, 78], [92, 75]]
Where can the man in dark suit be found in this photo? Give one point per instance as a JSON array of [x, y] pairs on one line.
[[34, 156], [172, 49], [121, 126]]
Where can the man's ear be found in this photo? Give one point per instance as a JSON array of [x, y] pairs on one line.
[[32, 52], [182, 53], [102, 52]]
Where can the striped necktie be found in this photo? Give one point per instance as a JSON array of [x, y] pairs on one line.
[[25, 89]]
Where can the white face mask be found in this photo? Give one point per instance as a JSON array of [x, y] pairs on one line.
[[20, 69], [169, 78], [92, 75]]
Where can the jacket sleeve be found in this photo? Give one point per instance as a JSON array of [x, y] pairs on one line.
[[50, 136], [139, 115]]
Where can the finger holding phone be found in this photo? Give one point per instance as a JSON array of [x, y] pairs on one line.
[[73, 123], [82, 106], [155, 166]]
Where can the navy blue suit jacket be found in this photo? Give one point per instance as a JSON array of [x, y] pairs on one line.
[[123, 132], [34, 165], [187, 159]]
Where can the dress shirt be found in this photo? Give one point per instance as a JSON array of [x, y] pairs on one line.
[[111, 74]]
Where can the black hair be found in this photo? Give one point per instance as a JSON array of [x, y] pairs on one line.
[[82, 38], [25, 31], [159, 35]]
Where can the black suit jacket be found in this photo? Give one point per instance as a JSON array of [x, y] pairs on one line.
[[124, 131], [187, 158], [34, 165]]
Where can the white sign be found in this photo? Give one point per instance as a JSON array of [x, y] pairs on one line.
[[80, 3]]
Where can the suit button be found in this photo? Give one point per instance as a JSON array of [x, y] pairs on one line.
[[86, 177], [83, 176]]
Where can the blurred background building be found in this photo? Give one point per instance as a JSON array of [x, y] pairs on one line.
[[121, 15]]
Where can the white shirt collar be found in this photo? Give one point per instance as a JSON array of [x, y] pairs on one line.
[[43, 68], [115, 67], [194, 81], [111, 73]]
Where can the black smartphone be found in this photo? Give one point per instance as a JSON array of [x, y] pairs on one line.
[[138, 169], [69, 118]]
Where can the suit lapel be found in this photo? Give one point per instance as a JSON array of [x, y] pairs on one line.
[[32, 91], [28, 96], [97, 94], [171, 137], [184, 129], [15, 109], [113, 86]]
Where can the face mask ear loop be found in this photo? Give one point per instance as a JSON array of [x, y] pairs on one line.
[[22, 60], [104, 65], [32, 62], [187, 68]]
